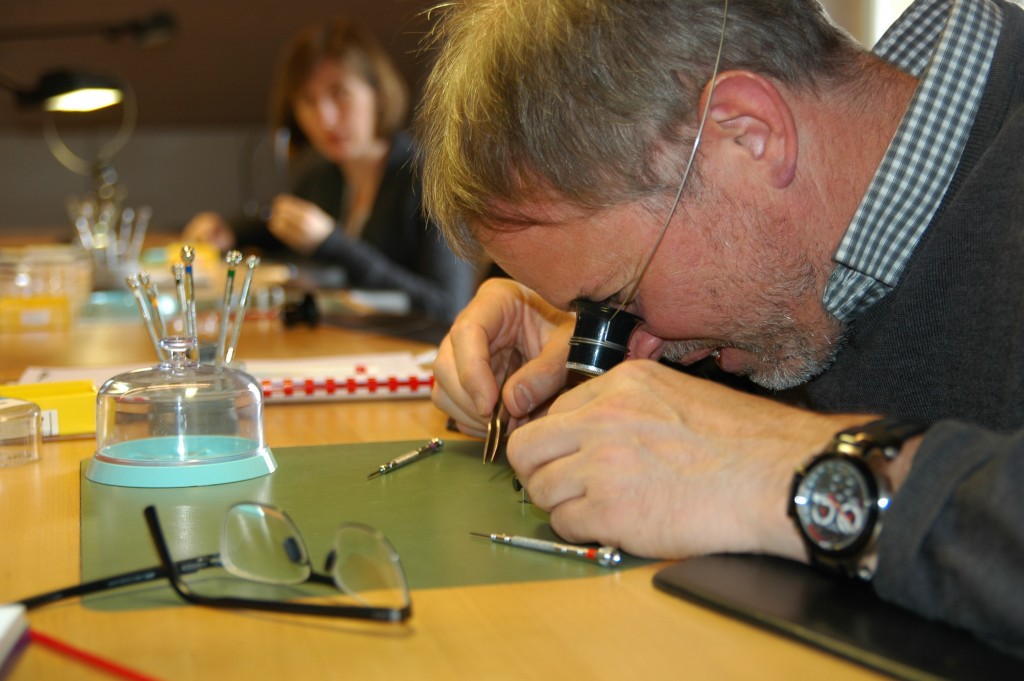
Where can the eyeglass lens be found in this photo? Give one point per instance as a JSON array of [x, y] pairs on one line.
[[261, 543], [366, 566], [602, 332]]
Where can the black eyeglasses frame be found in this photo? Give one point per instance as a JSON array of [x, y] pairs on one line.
[[174, 575], [174, 572]]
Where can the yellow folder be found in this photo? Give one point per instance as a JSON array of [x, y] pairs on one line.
[[68, 407]]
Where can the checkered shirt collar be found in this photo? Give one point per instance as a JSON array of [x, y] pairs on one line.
[[948, 45]]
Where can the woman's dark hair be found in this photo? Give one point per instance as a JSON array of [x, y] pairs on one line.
[[357, 50]]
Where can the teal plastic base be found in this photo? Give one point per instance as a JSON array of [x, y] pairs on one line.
[[180, 462]]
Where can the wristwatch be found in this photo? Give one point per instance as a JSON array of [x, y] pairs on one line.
[[839, 497]]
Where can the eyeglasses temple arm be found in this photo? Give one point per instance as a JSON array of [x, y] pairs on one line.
[[125, 579], [169, 568]]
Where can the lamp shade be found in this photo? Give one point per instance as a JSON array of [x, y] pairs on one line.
[[71, 91]]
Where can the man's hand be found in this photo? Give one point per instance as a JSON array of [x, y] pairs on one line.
[[665, 465], [503, 317]]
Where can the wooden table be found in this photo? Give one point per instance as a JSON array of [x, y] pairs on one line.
[[616, 626]]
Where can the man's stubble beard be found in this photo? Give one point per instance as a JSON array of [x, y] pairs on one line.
[[785, 351]]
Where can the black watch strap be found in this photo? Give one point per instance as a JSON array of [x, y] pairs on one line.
[[887, 434]]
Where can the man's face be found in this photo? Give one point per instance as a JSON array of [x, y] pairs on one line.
[[726, 280]]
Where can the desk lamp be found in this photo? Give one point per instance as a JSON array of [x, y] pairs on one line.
[[66, 91]]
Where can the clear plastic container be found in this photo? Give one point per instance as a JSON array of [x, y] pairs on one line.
[[43, 287], [179, 424], [20, 431]]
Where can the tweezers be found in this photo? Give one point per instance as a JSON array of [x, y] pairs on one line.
[[497, 426]]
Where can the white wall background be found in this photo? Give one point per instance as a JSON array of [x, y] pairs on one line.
[[886, 12], [176, 172]]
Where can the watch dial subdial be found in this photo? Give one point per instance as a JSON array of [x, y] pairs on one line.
[[832, 504]]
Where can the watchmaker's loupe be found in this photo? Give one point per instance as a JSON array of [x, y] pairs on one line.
[[600, 339]]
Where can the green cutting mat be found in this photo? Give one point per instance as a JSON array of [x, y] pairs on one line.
[[426, 509]]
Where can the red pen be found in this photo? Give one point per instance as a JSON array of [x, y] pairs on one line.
[[112, 668]]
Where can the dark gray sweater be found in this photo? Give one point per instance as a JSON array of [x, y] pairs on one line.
[[398, 248], [947, 345]]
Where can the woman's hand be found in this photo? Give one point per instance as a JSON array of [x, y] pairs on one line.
[[209, 228], [299, 224]]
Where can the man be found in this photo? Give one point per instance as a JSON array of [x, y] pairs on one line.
[[849, 239]]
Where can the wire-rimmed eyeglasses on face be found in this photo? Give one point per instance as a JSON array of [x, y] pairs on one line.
[[601, 337], [363, 577]]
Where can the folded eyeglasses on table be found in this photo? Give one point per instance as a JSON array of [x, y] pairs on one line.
[[261, 545]]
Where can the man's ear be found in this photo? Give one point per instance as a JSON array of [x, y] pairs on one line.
[[750, 116]]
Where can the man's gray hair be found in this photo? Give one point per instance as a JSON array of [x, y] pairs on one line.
[[591, 101]]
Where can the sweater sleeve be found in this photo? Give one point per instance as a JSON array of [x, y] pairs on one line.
[[952, 547], [440, 286], [253, 233]]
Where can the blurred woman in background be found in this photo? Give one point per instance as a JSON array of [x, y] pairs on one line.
[[355, 201]]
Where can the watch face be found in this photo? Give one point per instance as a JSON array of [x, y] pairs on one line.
[[834, 504]]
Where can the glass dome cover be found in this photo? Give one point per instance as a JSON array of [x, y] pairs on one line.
[[179, 424]]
